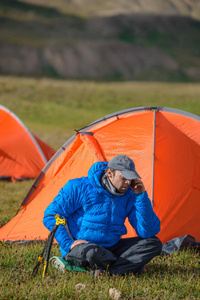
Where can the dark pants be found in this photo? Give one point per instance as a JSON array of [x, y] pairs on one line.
[[127, 256]]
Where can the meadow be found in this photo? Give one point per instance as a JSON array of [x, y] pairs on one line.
[[53, 109]]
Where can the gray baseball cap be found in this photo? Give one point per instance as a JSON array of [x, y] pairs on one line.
[[125, 165]]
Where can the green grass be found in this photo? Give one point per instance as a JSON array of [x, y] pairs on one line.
[[52, 109], [174, 277]]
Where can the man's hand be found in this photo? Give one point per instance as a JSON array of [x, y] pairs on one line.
[[137, 186], [77, 242]]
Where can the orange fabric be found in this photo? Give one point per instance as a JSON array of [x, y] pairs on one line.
[[46, 149], [28, 223], [131, 135], [176, 174], [19, 154], [93, 146]]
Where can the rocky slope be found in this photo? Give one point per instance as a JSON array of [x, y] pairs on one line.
[[40, 41], [91, 8]]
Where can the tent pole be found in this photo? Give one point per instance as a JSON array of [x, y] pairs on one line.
[[154, 132]]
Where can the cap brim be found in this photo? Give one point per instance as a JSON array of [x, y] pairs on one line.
[[129, 174]]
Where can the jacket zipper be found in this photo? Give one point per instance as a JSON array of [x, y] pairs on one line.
[[110, 214]]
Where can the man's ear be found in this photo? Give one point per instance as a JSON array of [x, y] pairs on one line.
[[109, 173]]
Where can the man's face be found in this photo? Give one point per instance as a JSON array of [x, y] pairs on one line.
[[118, 181]]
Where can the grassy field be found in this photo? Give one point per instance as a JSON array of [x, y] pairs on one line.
[[53, 109]]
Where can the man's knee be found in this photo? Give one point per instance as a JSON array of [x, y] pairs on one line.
[[99, 256], [157, 244], [152, 245]]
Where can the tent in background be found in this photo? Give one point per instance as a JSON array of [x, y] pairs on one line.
[[165, 146], [22, 154]]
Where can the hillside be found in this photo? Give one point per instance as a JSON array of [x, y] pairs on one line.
[[37, 40], [90, 8]]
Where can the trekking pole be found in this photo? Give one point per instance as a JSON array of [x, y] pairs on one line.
[[59, 221], [47, 247], [40, 260]]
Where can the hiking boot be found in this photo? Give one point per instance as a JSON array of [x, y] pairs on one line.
[[59, 263]]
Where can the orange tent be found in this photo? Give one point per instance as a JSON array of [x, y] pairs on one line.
[[22, 154], [165, 145]]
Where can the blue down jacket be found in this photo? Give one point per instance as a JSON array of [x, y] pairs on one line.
[[95, 215]]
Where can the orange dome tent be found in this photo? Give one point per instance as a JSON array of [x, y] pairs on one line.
[[22, 154], [165, 145]]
